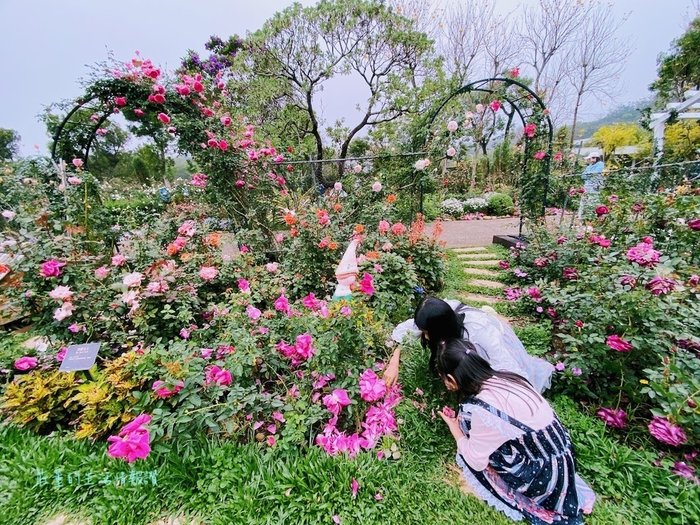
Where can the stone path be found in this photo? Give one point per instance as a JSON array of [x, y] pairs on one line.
[[482, 270], [475, 233]]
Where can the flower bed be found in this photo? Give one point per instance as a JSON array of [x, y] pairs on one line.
[[622, 296], [246, 348]]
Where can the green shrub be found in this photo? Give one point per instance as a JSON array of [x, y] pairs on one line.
[[500, 204]]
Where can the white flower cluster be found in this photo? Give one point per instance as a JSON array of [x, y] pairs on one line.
[[453, 207], [474, 204]]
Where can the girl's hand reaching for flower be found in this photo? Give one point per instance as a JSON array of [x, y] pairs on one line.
[[449, 417]]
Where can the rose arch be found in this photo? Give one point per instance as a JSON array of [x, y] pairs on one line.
[[514, 103]]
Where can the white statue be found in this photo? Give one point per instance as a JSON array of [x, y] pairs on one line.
[[346, 272]]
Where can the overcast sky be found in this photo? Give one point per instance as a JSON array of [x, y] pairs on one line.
[[46, 46]]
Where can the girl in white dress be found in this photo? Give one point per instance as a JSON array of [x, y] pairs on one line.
[[437, 320]]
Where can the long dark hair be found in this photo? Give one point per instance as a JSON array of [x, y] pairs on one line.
[[459, 359], [437, 317]]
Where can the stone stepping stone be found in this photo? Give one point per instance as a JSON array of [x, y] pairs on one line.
[[478, 298], [471, 249], [496, 285], [484, 262], [474, 256], [484, 272]]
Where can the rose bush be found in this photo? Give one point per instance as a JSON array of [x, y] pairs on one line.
[[622, 295]]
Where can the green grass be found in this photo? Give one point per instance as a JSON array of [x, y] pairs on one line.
[[226, 482]]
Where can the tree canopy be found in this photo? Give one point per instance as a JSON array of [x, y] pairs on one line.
[[297, 51], [9, 143], [679, 70]]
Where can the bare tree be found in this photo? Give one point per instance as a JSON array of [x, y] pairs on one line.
[[547, 31], [501, 45], [597, 58], [426, 16], [466, 28]]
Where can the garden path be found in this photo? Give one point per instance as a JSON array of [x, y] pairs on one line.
[[458, 234], [483, 285], [480, 232]]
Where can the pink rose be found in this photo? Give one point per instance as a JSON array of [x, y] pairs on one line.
[[199, 180], [66, 310], [101, 272], [377, 187], [643, 254], [272, 267], [336, 400], [372, 388], [252, 312], [78, 163], [282, 305], [61, 293], [219, 376], [615, 418], [512, 294], [162, 392], [165, 119], [366, 285], [244, 286], [666, 432], [132, 280], [133, 441], [208, 273], [118, 260], [618, 344], [384, 226], [51, 268], [25, 363], [661, 285]]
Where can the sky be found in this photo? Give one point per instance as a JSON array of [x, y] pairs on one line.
[[48, 45]]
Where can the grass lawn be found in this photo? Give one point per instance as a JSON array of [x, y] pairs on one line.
[[213, 482]]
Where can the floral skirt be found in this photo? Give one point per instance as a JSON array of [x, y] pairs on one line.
[[534, 478]]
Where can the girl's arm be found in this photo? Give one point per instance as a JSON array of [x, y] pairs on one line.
[[391, 372]]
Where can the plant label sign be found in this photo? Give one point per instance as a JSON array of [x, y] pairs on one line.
[[80, 357]]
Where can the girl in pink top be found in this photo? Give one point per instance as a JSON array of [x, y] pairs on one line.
[[513, 451]]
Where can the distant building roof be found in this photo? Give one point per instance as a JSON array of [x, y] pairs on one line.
[[626, 150]]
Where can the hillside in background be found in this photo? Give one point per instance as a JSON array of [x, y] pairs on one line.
[[626, 113]]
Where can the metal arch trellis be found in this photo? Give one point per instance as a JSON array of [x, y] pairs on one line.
[[79, 104], [500, 86]]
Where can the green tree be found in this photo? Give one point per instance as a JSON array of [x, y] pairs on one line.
[[147, 164], [679, 70], [298, 50], [9, 143]]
